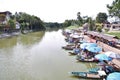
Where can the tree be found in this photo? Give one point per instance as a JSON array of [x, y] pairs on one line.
[[11, 23], [29, 22], [101, 17], [114, 9], [67, 23], [92, 23], [80, 20]]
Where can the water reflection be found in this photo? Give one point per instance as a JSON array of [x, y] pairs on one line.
[[27, 39], [31, 38]]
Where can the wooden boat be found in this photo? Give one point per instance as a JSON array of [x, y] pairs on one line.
[[89, 75], [72, 53], [68, 47], [94, 70], [86, 59]]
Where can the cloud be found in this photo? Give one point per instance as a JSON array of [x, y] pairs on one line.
[[55, 10]]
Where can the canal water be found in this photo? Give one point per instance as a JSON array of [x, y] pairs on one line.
[[38, 56]]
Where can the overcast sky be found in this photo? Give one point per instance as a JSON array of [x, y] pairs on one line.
[[55, 10]]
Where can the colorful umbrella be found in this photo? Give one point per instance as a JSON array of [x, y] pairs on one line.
[[102, 57], [113, 76], [94, 49], [84, 45]]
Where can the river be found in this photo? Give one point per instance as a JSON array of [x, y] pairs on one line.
[[38, 56]]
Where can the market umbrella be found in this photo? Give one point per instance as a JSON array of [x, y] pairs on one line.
[[94, 49], [114, 76], [102, 57], [92, 44], [84, 45], [112, 54]]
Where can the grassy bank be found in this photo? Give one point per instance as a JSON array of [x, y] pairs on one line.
[[115, 33], [73, 27]]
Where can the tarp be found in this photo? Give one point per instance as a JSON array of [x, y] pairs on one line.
[[114, 76], [84, 45], [94, 49], [102, 57], [112, 54]]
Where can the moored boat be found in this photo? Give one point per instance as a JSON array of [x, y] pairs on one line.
[[94, 70], [68, 47], [72, 53], [87, 60], [90, 75], [82, 59]]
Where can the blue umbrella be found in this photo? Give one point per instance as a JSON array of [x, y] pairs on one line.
[[84, 45], [102, 57], [94, 49], [92, 44], [114, 76]]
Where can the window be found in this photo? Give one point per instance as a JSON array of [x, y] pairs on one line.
[[113, 27]]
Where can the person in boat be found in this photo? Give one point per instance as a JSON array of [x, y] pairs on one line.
[[76, 50], [84, 54], [70, 40]]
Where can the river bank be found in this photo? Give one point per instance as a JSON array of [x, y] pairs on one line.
[[8, 35]]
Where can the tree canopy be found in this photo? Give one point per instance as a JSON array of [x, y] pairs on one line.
[[114, 9], [80, 20], [101, 17], [29, 22]]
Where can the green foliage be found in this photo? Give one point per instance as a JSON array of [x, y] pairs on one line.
[[99, 29], [115, 33], [72, 27], [29, 22], [70, 23], [106, 30], [101, 17], [53, 25], [67, 23], [80, 20], [114, 8], [85, 19], [92, 24], [11, 23]]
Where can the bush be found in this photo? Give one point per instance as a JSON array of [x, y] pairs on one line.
[[99, 29], [106, 30]]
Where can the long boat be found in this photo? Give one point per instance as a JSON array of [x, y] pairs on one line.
[[89, 75], [87, 60], [94, 70], [78, 58], [72, 53], [68, 47]]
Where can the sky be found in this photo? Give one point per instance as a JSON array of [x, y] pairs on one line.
[[56, 10]]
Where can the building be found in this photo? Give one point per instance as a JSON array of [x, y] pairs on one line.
[[4, 17], [115, 26]]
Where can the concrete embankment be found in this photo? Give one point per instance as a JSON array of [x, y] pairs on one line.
[[7, 35]]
